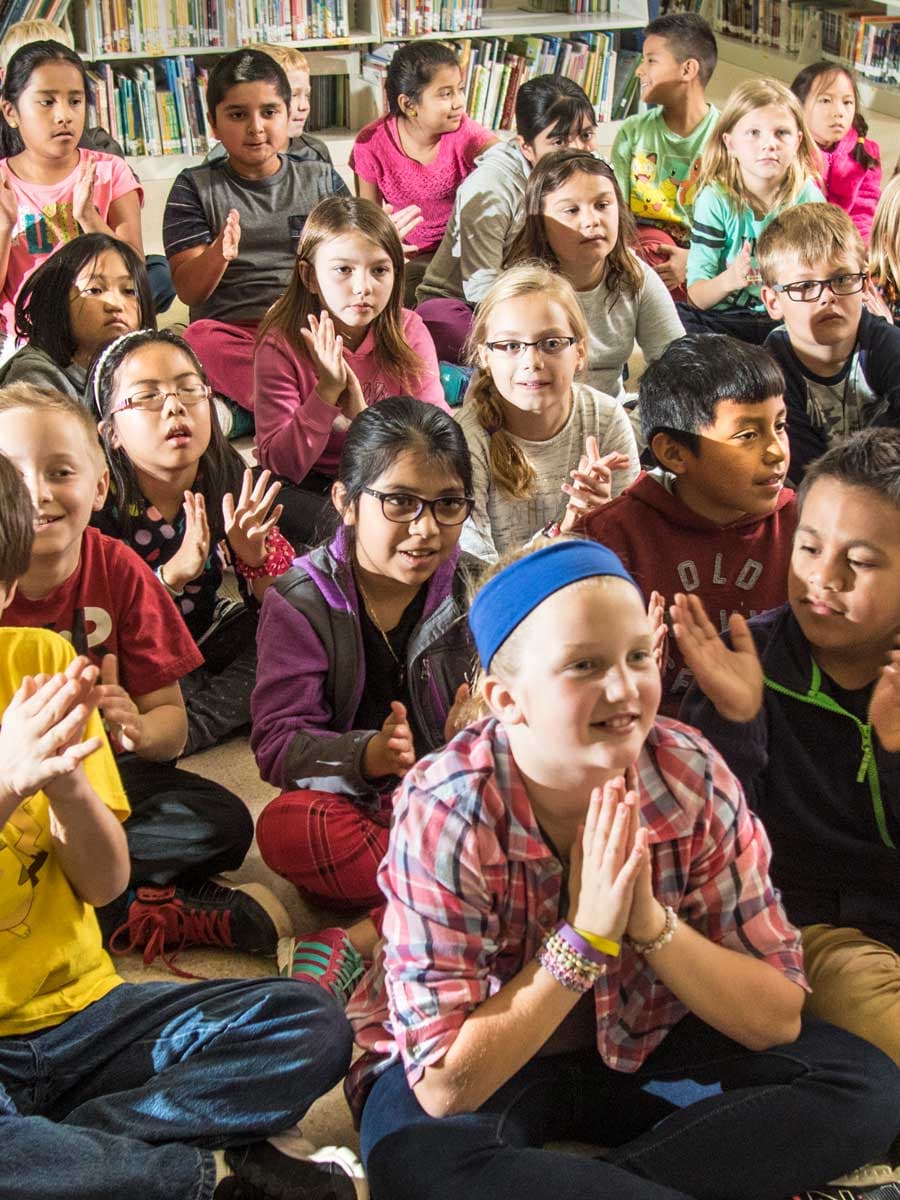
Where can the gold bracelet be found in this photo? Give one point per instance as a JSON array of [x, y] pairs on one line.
[[604, 945]]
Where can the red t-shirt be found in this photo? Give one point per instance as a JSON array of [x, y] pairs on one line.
[[114, 604]]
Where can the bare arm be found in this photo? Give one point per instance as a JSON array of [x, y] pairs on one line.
[[153, 726], [88, 839], [367, 190], [196, 272], [706, 293]]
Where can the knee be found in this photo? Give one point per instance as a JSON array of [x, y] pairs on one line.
[[235, 823], [309, 1025], [284, 831], [870, 1083]]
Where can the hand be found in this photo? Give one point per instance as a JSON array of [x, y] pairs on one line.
[[656, 614], [120, 712], [740, 269], [405, 220], [83, 209], [230, 236], [884, 707], [607, 860], [875, 302], [731, 679], [458, 714], [391, 751], [352, 401], [647, 919], [673, 273], [248, 524], [326, 349], [41, 730], [9, 206], [592, 483], [189, 560]]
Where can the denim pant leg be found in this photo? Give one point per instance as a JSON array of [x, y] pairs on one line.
[[169, 1067], [786, 1119]]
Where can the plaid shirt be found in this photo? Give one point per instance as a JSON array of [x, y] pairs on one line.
[[472, 888]]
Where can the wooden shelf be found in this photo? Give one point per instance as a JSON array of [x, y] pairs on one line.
[[523, 23], [360, 38]]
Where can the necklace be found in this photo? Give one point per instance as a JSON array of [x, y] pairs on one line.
[[384, 637]]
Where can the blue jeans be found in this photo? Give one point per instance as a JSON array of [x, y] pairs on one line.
[[129, 1097], [769, 1124]]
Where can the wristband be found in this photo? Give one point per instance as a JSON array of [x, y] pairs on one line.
[[568, 966], [279, 558], [551, 530], [662, 939], [604, 945], [162, 579]]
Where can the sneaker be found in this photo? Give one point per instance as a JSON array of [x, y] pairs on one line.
[[327, 958], [848, 1189], [265, 1171], [248, 918]]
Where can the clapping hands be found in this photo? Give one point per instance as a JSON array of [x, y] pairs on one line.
[[732, 678]]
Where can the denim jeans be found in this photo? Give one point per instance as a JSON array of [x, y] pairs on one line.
[[129, 1097], [768, 1124]]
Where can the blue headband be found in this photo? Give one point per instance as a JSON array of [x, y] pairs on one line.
[[506, 600]]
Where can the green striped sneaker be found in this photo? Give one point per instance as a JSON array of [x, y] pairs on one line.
[[327, 958]]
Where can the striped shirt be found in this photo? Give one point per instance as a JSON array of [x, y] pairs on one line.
[[472, 887]]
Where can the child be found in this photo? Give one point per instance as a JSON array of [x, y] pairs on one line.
[[296, 67], [560, 944], [337, 341], [714, 518], [817, 748], [552, 113], [884, 252], [103, 599], [81, 298], [529, 426], [841, 364], [423, 149], [759, 161], [231, 227], [575, 222], [363, 652], [851, 176], [50, 191], [180, 491], [656, 154]]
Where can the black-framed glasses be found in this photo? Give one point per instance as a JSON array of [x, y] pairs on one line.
[[403, 507], [551, 346], [154, 399], [807, 291]]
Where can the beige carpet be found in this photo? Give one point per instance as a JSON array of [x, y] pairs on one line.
[[328, 1121]]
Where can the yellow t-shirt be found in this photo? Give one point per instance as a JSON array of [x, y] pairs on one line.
[[52, 961]]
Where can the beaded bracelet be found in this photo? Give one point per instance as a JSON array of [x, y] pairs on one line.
[[662, 939], [576, 969], [279, 558]]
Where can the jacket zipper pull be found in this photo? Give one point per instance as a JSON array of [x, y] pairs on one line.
[[865, 732]]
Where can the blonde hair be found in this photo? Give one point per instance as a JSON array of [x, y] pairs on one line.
[[330, 218], [815, 233], [36, 399], [719, 166], [511, 468], [884, 242], [23, 32], [289, 58]]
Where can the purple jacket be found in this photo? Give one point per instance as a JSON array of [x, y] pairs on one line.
[[311, 671], [850, 186]]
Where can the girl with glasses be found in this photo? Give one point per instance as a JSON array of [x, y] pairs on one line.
[[546, 450], [181, 497], [363, 656]]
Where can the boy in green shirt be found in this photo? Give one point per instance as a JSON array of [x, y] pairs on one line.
[[656, 154]]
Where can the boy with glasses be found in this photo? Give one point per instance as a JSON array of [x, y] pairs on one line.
[[841, 364]]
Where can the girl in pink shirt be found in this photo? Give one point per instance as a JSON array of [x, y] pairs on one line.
[[336, 342], [50, 191], [424, 148]]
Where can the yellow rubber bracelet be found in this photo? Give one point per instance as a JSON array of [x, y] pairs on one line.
[[604, 945]]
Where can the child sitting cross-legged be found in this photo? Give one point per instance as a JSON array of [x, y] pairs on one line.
[[579, 912], [814, 733], [164, 1090], [713, 518], [841, 363], [96, 592]]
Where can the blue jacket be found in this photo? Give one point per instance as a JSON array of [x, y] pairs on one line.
[[827, 792]]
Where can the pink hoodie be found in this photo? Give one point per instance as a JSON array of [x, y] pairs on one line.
[[850, 186]]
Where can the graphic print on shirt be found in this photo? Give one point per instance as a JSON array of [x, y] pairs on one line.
[[43, 231], [657, 201], [21, 860]]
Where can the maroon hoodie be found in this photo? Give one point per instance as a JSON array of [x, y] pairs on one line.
[[668, 547]]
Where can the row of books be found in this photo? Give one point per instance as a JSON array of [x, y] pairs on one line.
[[159, 107], [12, 11], [158, 26], [495, 68], [412, 18], [573, 7], [869, 42]]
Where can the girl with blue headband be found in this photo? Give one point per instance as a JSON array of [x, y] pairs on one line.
[[579, 913]]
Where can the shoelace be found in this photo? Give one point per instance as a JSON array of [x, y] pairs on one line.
[[192, 926]]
